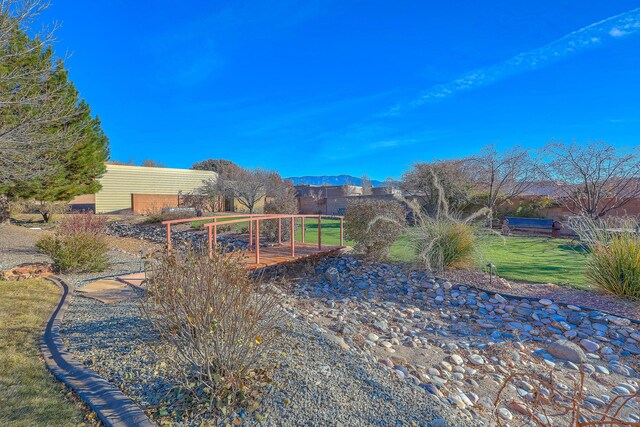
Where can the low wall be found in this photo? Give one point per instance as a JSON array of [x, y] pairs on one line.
[[145, 204]]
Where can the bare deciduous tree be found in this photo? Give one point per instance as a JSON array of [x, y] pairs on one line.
[[319, 198], [501, 177], [592, 179], [150, 163], [248, 186]]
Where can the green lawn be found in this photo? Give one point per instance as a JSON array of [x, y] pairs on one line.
[[29, 395], [535, 259], [531, 259]]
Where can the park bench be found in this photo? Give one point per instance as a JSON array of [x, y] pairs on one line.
[[531, 225]]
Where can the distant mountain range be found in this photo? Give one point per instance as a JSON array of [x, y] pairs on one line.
[[331, 180]]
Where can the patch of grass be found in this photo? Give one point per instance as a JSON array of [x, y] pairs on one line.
[[330, 229], [400, 252], [521, 258], [536, 259], [29, 395]]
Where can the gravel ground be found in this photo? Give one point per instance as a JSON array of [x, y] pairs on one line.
[[316, 383], [17, 246]]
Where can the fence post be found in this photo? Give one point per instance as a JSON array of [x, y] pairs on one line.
[[293, 227], [319, 232], [215, 235], [341, 231], [210, 240], [279, 231], [257, 241], [168, 236], [250, 234], [303, 230]]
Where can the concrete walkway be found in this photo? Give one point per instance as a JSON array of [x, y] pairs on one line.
[[108, 291]]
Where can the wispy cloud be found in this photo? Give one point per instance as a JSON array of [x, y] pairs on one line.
[[588, 37]]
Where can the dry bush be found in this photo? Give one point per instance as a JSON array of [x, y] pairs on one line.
[[216, 325], [551, 405], [613, 264], [78, 245], [444, 239], [83, 223], [374, 225]]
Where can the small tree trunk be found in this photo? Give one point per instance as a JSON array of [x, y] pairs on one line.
[[4, 209]]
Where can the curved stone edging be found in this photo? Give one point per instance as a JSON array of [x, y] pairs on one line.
[[112, 407]]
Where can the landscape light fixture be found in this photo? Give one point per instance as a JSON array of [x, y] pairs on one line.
[[490, 267]]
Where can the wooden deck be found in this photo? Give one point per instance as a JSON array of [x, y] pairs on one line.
[[274, 255]]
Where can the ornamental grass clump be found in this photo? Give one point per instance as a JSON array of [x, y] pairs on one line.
[[78, 245], [444, 240], [216, 326], [613, 264], [374, 225]]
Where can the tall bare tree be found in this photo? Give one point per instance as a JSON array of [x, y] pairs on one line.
[[501, 176], [592, 179]]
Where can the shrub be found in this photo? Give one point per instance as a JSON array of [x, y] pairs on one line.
[[83, 223], [531, 208], [374, 225], [552, 404], [216, 324], [78, 245], [613, 264]]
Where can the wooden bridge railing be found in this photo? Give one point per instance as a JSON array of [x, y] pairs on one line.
[[256, 219]]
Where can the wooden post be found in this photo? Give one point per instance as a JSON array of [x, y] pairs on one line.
[[215, 235], [303, 230], [210, 240], [279, 231], [341, 231], [293, 227], [250, 234], [257, 241], [168, 237], [319, 232]]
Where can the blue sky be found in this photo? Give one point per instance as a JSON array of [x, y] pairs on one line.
[[330, 87]]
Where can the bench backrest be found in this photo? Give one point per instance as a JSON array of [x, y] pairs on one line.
[[530, 222]]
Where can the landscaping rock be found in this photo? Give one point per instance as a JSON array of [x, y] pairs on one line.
[[332, 275], [27, 271], [566, 350]]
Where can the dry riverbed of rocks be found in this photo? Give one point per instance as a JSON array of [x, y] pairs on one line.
[[316, 381], [459, 343]]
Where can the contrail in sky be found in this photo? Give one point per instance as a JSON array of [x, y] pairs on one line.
[[585, 38]]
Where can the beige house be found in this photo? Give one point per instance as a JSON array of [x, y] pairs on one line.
[[141, 189]]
